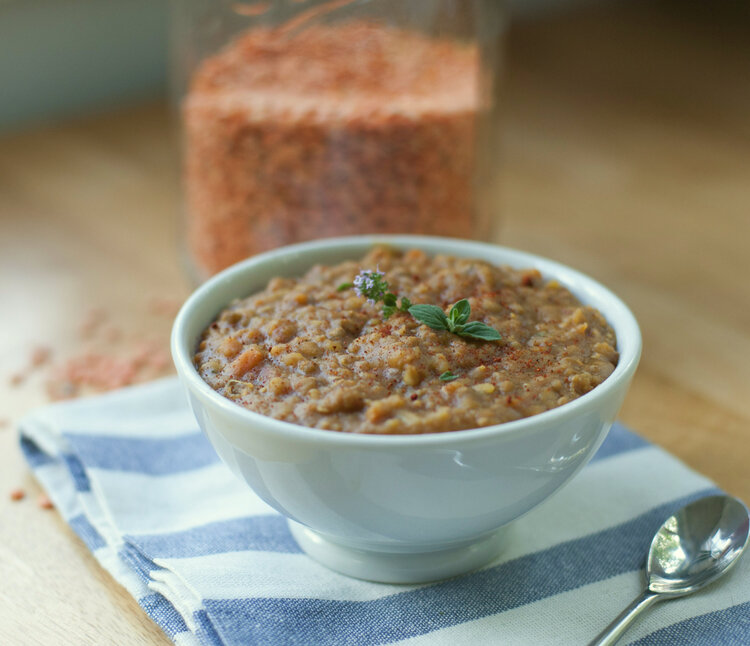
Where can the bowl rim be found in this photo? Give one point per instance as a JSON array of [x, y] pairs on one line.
[[619, 378]]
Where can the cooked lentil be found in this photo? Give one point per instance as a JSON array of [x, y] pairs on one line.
[[304, 352]]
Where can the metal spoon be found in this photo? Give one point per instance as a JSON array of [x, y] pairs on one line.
[[693, 548]]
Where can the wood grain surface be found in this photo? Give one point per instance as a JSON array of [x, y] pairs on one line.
[[627, 155]]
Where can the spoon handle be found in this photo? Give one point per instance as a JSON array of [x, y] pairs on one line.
[[612, 633]]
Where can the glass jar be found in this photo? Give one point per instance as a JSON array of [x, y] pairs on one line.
[[303, 119]]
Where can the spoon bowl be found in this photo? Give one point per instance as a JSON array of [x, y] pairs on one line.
[[693, 548], [697, 545]]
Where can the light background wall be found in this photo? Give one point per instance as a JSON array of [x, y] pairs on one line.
[[62, 58]]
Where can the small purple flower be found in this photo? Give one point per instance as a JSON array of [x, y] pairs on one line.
[[371, 285]]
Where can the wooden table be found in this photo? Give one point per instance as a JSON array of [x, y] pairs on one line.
[[627, 156]]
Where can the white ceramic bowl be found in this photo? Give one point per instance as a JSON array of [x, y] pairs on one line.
[[404, 508]]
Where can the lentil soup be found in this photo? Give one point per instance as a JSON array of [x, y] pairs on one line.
[[306, 352]]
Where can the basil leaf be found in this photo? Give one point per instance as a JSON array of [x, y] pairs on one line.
[[478, 330], [344, 286], [388, 310], [460, 312], [448, 376], [389, 299], [405, 304], [431, 315]]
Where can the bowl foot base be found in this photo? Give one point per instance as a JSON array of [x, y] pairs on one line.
[[399, 567]]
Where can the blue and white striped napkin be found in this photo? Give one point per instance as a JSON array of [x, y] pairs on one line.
[[212, 564]]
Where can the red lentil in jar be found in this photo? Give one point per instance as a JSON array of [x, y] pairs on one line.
[[315, 352], [331, 128]]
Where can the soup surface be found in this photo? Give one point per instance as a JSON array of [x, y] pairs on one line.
[[316, 352]]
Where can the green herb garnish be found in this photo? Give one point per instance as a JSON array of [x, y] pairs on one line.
[[448, 376], [373, 285], [457, 321]]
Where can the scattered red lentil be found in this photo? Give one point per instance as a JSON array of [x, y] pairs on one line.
[[40, 355], [16, 379], [44, 502], [99, 371], [107, 363], [17, 494], [333, 129]]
